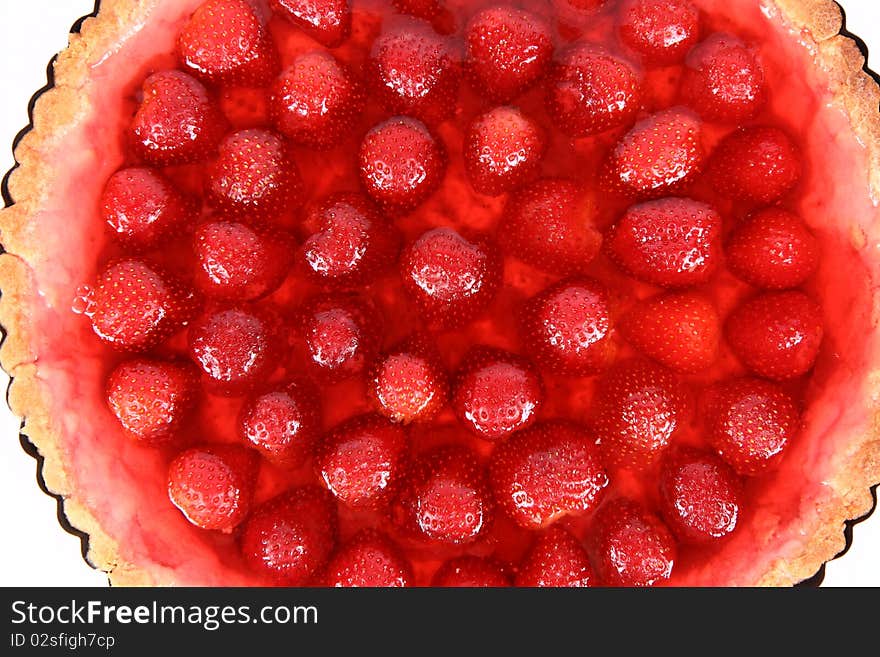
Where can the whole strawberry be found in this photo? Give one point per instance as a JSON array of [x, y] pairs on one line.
[[254, 174], [362, 460], [352, 242], [502, 150], [213, 485], [408, 382], [225, 43], [679, 330], [546, 472], [757, 164], [776, 335], [341, 333], [290, 537], [673, 242], [723, 80], [401, 163], [507, 51], [235, 348], [633, 546], [638, 408], [151, 398], [548, 224], [569, 327], [316, 101], [142, 207], [774, 249], [282, 422], [700, 496], [590, 90], [177, 121], [236, 262], [413, 70], [661, 154], [750, 423], [450, 277], [445, 497], [134, 306], [495, 392], [661, 31]]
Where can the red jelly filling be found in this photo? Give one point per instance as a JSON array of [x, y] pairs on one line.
[[476, 318]]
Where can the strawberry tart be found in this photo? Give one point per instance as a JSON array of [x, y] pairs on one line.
[[451, 292]]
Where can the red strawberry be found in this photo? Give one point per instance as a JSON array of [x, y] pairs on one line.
[[282, 423], [496, 392], [661, 31], [413, 70], [316, 101], [557, 559], [546, 472], [224, 42], [371, 559], [151, 398], [673, 242], [568, 327], [352, 243], [342, 335], [135, 306], [638, 408], [502, 149], [757, 164], [660, 154], [679, 330], [213, 485], [471, 572], [445, 498], [549, 225], [176, 121], [507, 51], [290, 537], [633, 547], [776, 335], [451, 278], [142, 207], [400, 163], [591, 90], [773, 249], [408, 383], [723, 80], [235, 348], [239, 262], [700, 496], [253, 174], [750, 423], [362, 459], [327, 21]]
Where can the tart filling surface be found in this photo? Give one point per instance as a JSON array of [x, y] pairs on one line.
[[772, 515]]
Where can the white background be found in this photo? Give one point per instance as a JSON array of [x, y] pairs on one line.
[[35, 551]]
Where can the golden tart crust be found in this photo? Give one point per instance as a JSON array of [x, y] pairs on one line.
[[818, 23]]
